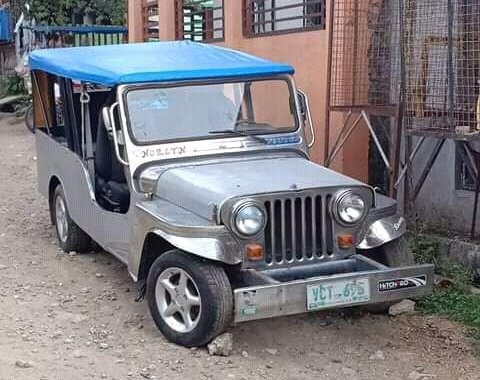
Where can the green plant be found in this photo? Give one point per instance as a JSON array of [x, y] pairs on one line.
[[455, 302], [11, 85], [73, 11], [427, 250]]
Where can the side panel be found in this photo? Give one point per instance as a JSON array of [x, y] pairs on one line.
[[110, 230]]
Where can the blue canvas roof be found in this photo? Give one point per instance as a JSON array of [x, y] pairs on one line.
[[152, 62]]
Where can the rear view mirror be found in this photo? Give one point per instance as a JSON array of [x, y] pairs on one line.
[[106, 118]]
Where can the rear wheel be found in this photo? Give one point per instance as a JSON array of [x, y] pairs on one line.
[[70, 236], [394, 254], [190, 299], [29, 118]]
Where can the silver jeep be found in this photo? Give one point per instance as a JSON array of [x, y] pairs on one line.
[[190, 164]]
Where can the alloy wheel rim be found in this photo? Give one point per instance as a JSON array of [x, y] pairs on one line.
[[61, 219], [178, 300]]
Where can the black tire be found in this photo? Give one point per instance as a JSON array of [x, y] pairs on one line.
[[394, 254], [29, 119], [215, 293], [74, 239]]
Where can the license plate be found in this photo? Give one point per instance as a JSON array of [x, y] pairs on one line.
[[337, 293]]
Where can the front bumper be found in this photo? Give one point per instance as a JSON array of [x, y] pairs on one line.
[[290, 297]]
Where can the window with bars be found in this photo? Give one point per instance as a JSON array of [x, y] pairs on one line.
[[465, 170], [150, 20], [200, 20], [267, 17]]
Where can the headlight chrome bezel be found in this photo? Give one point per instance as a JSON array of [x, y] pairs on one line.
[[242, 205], [335, 208]]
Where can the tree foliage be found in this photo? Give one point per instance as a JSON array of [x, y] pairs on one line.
[[66, 12]]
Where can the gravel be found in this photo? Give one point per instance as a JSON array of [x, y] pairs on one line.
[[45, 292]]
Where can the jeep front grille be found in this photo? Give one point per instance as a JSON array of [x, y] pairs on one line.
[[298, 229]]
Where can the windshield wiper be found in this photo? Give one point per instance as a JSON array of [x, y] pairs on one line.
[[238, 133]]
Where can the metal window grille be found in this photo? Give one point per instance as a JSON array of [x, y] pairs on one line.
[[269, 17], [150, 20], [465, 179], [416, 59], [442, 39], [365, 55], [200, 20], [442, 68]]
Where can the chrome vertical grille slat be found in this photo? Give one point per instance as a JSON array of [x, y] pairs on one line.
[[294, 228], [314, 228], [283, 223], [304, 227], [272, 232], [299, 228], [324, 227]]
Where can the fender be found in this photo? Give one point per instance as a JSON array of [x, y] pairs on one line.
[[207, 247], [183, 230], [383, 231]]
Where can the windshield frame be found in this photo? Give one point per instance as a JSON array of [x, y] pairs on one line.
[[136, 87]]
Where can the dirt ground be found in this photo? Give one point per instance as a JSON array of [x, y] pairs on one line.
[[74, 316]]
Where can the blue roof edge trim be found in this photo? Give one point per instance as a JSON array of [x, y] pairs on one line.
[[159, 62]]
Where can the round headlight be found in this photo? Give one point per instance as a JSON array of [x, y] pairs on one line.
[[249, 220], [350, 208]]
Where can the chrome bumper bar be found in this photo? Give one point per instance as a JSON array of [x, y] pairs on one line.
[[287, 298]]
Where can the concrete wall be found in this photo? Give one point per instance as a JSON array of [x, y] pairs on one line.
[[439, 203], [306, 51]]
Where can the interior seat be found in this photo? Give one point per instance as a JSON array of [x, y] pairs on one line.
[[111, 184]]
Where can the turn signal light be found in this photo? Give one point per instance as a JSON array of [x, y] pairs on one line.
[[254, 252], [345, 241]]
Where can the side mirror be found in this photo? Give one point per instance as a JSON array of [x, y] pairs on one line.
[[106, 118], [306, 115], [303, 105]]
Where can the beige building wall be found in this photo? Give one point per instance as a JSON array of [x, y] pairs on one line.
[[306, 51]]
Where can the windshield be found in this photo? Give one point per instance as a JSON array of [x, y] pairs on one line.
[[203, 111]]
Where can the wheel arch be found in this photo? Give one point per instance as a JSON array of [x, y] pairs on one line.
[[153, 247]]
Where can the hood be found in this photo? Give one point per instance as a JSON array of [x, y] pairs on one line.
[[202, 188]]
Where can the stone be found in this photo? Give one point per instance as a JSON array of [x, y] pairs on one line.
[[402, 307], [378, 355], [77, 354], [349, 372], [23, 364], [271, 351], [57, 334], [245, 354], [475, 290], [415, 375], [222, 345], [145, 373], [70, 317], [3, 267], [103, 346]]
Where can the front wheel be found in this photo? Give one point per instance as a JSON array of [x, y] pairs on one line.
[[190, 299]]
